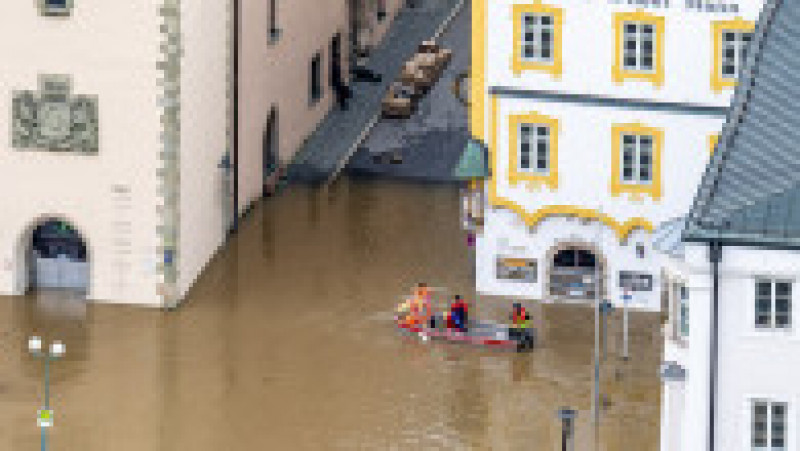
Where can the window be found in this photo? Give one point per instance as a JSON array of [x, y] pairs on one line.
[[734, 52], [55, 7], [537, 38], [274, 32], [773, 304], [316, 78], [534, 152], [639, 47], [635, 162], [637, 51], [731, 40], [533, 149], [637, 158], [684, 311], [768, 425]]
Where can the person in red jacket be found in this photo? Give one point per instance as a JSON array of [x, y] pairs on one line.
[[458, 311]]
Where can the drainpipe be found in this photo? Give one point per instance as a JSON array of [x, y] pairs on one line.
[[235, 131], [715, 255]]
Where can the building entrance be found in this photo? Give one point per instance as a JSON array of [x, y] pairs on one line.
[[57, 257], [572, 274]]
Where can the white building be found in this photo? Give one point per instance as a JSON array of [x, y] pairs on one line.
[[732, 345], [115, 120], [585, 105]]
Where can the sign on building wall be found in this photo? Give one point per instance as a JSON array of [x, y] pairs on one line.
[[517, 269], [636, 281], [53, 119], [713, 6]]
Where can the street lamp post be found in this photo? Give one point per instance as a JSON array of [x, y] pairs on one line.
[[567, 417], [57, 350]]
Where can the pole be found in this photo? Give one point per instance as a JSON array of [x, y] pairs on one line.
[[46, 395], [625, 327], [597, 330]]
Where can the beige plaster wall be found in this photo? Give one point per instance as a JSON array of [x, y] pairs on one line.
[[278, 74], [110, 49]]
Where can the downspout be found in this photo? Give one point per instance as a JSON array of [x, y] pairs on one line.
[[715, 255], [235, 131]]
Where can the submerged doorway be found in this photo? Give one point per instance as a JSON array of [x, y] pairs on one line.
[[572, 274], [269, 149], [57, 257]]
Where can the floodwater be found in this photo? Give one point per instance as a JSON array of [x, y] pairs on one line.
[[286, 342]]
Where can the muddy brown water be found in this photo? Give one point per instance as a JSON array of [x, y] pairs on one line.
[[286, 342]]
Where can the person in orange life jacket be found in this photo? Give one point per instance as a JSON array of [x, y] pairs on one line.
[[458, 312], [421, 305], [520, 321]]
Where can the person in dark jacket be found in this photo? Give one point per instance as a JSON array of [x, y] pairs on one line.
[[458, 311]]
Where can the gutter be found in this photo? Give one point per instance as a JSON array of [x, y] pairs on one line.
[[235, 156], [715, 255]]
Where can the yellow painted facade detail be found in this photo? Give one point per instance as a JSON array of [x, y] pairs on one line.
[[718, 82], [515, 175], [712, 143], [618, 72], [477, 104], [618, 187], [518, 65], [622, 229]]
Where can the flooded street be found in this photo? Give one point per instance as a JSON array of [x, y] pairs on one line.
[[287, 342]]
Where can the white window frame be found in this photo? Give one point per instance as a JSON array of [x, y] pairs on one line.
[[787, 415], [639, 53], [739, 46], [538, 41], [773, 311], [534, 152], [636, 166]]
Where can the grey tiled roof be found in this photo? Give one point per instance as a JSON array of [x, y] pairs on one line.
[[750, 186]]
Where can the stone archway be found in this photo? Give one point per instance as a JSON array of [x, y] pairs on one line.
[[568, 266], [52, 254]]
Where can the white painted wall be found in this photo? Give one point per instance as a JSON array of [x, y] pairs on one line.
[[506, 235], [203, 135], [752, 363], [588, 51], [111, 49], [585, 152]]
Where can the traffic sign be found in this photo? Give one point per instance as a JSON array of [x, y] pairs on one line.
[[45, 418]]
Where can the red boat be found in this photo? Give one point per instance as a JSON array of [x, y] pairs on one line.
[[483, 333]]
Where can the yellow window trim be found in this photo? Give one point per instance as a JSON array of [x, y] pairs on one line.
[[477, 96], [617, 187], [718, 82], [516, 176], [518, 65], [712, 143], [618, 73], [622, 229]]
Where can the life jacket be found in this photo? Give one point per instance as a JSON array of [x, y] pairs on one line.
[[519, 318]]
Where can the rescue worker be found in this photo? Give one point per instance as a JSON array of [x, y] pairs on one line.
[[458, 311], [420, 305], [520, 322]]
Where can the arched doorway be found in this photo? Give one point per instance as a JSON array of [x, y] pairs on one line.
[[269, 148], [57, 257], [573, 270]]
